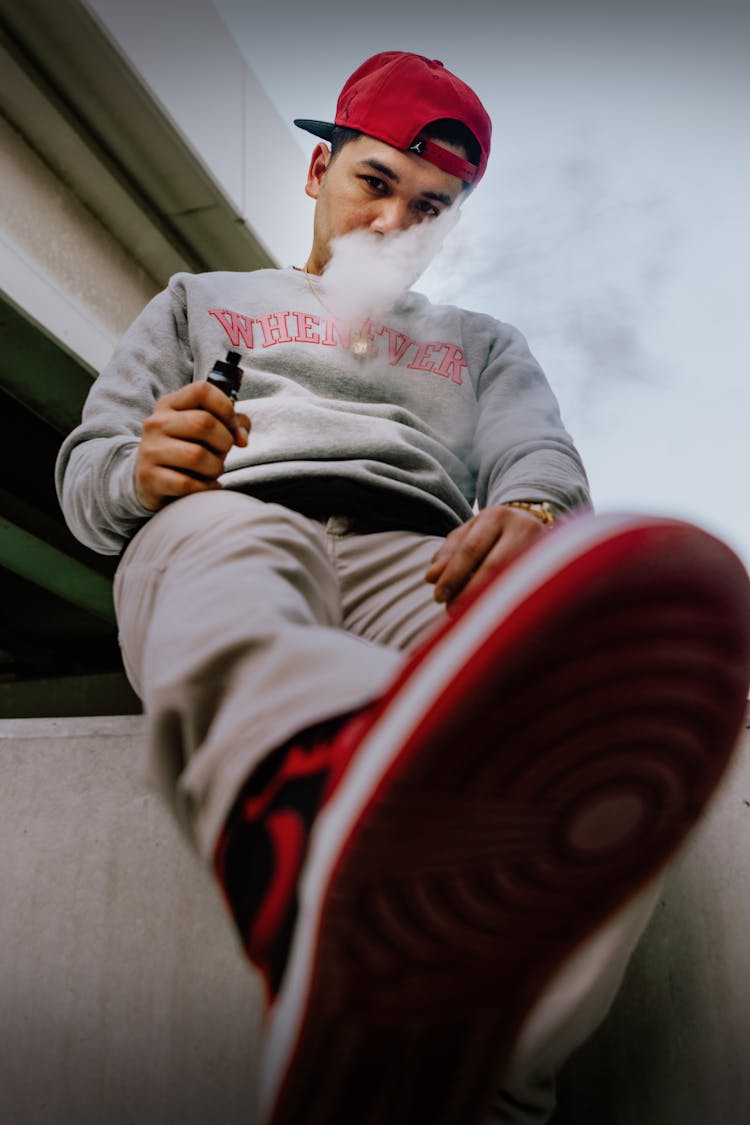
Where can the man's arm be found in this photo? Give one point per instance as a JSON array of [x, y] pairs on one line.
[[522, 452], [148, 433]]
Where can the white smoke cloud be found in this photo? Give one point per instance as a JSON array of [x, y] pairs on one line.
[[578, 260], [369, 271]]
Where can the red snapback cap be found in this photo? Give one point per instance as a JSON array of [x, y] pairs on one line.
[[394, 95]]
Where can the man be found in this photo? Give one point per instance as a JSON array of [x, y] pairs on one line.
[[437, 832]]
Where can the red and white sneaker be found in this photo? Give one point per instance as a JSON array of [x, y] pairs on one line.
[[532, 766]]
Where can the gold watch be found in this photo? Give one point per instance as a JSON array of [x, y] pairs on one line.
[[542, 509]]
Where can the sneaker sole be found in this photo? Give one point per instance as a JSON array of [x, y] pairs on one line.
[[540, 763]]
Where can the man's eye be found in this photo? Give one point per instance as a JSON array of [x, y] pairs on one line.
[[374, 182], [427, 208]]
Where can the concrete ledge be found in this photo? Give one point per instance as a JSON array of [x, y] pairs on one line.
[[124, 996]]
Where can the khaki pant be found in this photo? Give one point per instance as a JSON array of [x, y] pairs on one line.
[[242, 623]]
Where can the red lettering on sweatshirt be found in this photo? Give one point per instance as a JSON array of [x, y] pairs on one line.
[[274, 329], [236, 326], [452, 363], [330, 339], [306, 324], [421, 361], [338, 333], [398, 344]]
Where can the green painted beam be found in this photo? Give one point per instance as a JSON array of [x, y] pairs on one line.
[[40, 374], [26, 554]]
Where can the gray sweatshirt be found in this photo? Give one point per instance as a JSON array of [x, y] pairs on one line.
[[446, 408]]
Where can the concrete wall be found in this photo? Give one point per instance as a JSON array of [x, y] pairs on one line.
[[58, 262], [125, 998], [193, 67]]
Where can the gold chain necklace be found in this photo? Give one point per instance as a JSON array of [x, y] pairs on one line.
[[359, 345]]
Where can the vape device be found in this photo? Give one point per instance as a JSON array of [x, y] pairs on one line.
[[226, 374]]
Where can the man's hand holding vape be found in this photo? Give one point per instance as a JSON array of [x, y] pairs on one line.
[[184, 444]]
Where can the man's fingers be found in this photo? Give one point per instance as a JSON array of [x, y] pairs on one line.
[[201, 395], [436, 568], [162, 462], [197, 426], [240, 427], [518, 536], [479, 549], [200, 412], [454, 576], [190, 456], [506, 551], [171, 484], [157, 485], [447, 550], [458, 560], [495, 561]]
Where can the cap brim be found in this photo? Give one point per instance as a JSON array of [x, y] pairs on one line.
[[322, 129]]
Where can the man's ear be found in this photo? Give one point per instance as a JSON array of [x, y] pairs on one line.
[[319, 161]]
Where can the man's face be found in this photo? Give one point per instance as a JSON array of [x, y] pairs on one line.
[[372, 186]]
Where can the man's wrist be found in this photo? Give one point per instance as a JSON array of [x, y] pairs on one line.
[[545, 512]]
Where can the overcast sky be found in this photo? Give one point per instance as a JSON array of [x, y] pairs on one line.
[[612, 226]]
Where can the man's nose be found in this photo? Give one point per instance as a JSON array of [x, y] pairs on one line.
[[392, 215]]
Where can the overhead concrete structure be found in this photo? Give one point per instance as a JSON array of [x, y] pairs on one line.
[[135, 142]]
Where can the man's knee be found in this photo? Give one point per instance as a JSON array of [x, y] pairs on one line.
[[203, 512]]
